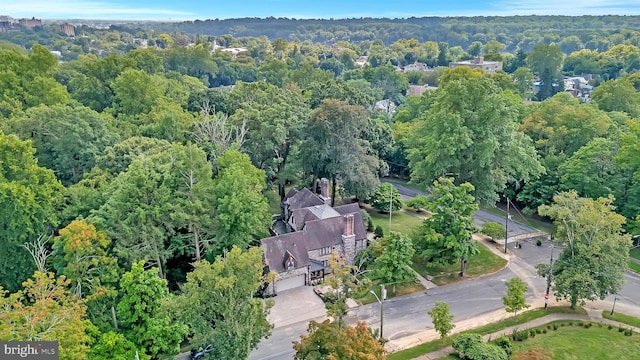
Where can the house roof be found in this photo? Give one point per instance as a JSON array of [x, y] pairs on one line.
[[276, 248], [291, 193], [348, 208], [302, 199], [328, 232], [323, 211]]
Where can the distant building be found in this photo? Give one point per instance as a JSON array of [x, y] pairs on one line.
[[479, 63], [6, 23], [386, 105], [417, 90], [33, 22], [416, 66], [68, 29]]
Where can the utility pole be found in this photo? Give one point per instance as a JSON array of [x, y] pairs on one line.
[[614, 304], [549, 275], [506, 227]]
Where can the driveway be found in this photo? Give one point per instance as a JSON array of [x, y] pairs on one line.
[[296, 305]]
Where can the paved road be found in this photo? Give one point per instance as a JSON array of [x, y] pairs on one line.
[[481, 216]]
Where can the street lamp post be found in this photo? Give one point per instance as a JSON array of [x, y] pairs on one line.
[[549, 275], [383, 294]]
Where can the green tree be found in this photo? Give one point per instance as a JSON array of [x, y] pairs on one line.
[[334, 147], [493, 230], [67, 139], [628, 160], [386, 198], [471, 131], [395, 259], [328, 341], [343, 283], [546, 62], [219, 307], [617, 95], [29, 195], [515, 299], [445, 237], [594, 260], [117, 158], [141, 313], [113, 346], [523, 78], [442, 318], [242, 212]]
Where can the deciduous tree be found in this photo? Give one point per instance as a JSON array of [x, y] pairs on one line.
[[445, 237], [515, 300], [328, 341], [395, 259], [386, 198], [594, 260], [442, 318]]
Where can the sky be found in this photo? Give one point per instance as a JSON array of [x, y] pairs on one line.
[[304, 9]]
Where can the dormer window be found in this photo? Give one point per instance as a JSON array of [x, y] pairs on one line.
[[289, 261]]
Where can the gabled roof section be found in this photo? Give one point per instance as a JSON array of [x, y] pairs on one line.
[[348, 208], [323, 211], [302, 199], [291, 193], [276, 247], [328, 232]]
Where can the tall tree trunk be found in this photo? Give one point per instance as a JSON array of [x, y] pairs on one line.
[[196, 240], [463, 266], [333, 190], [281, 167]]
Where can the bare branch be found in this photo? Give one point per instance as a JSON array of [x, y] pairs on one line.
[[39, 252]]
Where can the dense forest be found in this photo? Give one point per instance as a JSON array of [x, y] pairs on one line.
[[148, 171]]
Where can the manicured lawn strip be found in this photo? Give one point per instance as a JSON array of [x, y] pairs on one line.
[[274, 201], [485, 262], [534, 222], [635, 253], [526, 316], [627, 319], [400, 222], [575, 342], [633, 266]]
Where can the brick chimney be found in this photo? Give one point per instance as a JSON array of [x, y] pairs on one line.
[[324, 190], [349, 240], [348, 229]]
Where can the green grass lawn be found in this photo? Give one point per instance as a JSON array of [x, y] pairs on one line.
[[627, 319], [575, 342], [634, 266], [485, 262], [428, 347], [400, 221], [635, 253], [274, 201]]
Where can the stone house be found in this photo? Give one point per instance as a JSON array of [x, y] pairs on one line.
[[310, 231]]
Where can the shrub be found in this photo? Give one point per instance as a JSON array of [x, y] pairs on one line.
[[555, 326], [484, 351], [580, 323], [549, 326], [532, 333], [570, 323], [505, 344], [463, 343], [520, 335], [610, 327], [544, 331], [620, 329], [538, 331], [379, 232], [628, 332]]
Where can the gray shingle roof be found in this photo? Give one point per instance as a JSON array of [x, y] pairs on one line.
[[302, 199], [276, 247]]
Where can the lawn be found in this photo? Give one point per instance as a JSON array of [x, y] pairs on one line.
[[630, 320], [634, 266], [575, 342], [635, 253], [524, 317], [400, 221], [485, 262]]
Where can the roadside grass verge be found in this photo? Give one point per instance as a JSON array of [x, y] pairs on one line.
[[401, 289], [524, 317], [485, 262], [633, 266], [635, 253], [627, 319]]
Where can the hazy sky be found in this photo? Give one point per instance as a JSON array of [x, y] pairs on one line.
[[211, 9]]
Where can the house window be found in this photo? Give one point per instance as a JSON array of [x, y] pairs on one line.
[[325, 263], [325, 250]]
